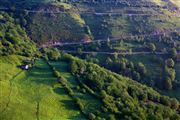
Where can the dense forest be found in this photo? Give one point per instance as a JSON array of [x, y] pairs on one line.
[[89, 59]]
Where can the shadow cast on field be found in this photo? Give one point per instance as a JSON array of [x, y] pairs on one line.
[[46, 81], [69, 104], [78, 117], [60, 91]]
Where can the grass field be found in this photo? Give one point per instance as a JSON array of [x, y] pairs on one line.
[[34, 94]]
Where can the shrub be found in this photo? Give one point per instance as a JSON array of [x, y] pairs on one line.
[[92, 116], [170, 63]]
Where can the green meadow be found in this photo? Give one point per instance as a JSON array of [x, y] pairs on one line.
[[33, 94]]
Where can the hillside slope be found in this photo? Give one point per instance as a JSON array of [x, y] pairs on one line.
[[52, 21], [13, 38], [64, 24], [121, 97], [130, 18], [33, 94], [70, 88]]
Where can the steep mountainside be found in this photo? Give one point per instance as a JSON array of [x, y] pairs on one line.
[[13, 38], [50, 20], [40, 82]]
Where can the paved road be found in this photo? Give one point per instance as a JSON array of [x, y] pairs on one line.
[[91, 12], [112, 39], [112, 53]]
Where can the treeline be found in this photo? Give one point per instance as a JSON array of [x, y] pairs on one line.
[[125, 98], [121, 64]]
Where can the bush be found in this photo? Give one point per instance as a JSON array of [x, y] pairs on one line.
[[165, 101], [111, 117], [151, 47], [174, 104], [173, 53], [92, 116], [170, 63], [79, 103], [54, 54], [168, 83], [57, 74]]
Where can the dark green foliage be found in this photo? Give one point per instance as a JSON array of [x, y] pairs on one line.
[[174, 104], [173, 53], [111, 117], [74, 67], [141, 69], [54, 54], [92, 116], [170, 63], [125, 98], [151, 47], [169, 74], [13, 38], [126, 67], [51, 53], [168, 83]]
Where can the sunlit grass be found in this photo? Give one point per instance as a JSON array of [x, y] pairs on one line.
[[36, 94]]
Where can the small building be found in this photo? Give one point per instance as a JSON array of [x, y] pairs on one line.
[[25, 67]]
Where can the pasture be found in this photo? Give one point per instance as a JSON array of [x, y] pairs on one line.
[[34, 94]]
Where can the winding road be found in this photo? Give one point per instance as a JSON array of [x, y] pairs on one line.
[[112, 39], [114, 53], [90, 12]]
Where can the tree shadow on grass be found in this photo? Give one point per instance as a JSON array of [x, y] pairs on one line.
[[70, 105], [78, 117], [46, 81], [60, 91]]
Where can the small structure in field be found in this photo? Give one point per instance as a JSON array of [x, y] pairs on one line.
[[25, 67]]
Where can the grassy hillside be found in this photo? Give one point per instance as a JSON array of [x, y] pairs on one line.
[[119, 97], [48, 26], [156, 20], [58, 26], [57, 21], [70, 88], [33, 94]]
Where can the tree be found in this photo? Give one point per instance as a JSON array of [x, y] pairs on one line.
[[174, 104], [111, 117], [173, 53], [54, 54], [165, 101], [92, 116], [79, 50], [136, 76], [168, 83], [74, 67], [141, 69], [170, 63], [169, 72], [151, 47], [108, 61]]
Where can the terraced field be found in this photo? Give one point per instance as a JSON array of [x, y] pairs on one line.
[[35, 94]]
